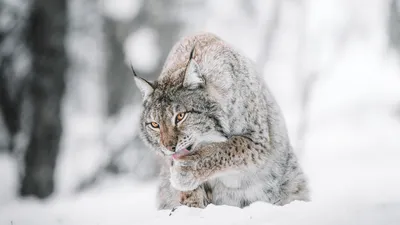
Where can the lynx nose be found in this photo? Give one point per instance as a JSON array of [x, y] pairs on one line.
[[171, 148]]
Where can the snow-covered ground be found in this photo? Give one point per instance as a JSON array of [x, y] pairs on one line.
[[133, 205]]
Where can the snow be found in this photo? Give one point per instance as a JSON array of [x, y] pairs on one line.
[[125, 202], [8, 172], [121, 10], [141, 49], [352, 144]]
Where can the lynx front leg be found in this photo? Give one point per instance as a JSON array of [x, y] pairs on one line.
[[198, 198], [237, 154]]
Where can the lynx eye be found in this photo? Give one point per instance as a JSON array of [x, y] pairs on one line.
[[154, 125], [180, 117]]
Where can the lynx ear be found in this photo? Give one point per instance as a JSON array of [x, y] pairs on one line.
[[145, 87], [193, 78]]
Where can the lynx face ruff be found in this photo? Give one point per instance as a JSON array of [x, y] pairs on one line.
[[219, 133]]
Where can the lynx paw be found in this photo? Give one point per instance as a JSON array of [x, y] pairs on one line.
[[183, 179], [196, 199]]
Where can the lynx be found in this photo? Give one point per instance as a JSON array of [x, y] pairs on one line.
[[220, 135]]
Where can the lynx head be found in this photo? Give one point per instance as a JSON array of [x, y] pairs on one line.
[[178, 115]]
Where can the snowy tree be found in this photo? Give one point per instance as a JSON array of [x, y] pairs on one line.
[[47, 30], [14, 65], [393, 27]]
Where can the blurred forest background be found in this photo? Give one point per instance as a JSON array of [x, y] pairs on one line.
[[69, 107]]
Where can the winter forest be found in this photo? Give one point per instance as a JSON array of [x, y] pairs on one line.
[[69, 108]]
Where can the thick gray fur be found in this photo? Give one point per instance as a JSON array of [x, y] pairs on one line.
[[241, 151]]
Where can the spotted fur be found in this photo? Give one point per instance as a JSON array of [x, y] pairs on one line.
[[240, 152]]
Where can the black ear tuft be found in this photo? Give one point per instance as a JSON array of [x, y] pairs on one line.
[[190, 57], [192, 52], [133, 71]]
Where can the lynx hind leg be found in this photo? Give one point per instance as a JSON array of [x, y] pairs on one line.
[[198, 198], [167, 196], [295, 184]]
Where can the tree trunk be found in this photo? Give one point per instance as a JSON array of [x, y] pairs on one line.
[[394, 25], [12, 55], [9, 109], [46, 37]]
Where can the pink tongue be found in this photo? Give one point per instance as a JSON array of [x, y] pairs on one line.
[[181, 153]]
